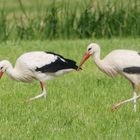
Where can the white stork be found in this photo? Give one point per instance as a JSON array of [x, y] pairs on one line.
[[123, 62], [37, 65]]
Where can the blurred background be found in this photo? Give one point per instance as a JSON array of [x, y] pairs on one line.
[[69, 19]]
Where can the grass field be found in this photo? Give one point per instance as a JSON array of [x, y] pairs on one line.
[[78, 104]]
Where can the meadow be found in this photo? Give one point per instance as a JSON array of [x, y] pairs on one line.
[[78, 106]]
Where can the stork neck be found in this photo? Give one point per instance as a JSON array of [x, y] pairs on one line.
[[11, 71], [100, 63], [96, 57]]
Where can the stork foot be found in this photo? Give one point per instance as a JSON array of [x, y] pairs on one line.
[[115, 107], [44, 95]]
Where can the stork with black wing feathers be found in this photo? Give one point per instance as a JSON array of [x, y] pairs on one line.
[[37, 65]]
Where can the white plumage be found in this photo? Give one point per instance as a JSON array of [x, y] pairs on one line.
[[124, 62], [37, 65]]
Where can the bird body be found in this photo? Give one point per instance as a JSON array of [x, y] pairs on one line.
[[121, 59], [37, 65], [124, 62]]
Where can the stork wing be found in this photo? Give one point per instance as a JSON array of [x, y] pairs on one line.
[[45, 62], [58, 64]]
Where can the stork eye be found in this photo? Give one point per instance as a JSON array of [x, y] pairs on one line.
[[89, 49], [1, 67]]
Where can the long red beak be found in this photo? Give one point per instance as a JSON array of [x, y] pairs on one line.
[[85, 57], [1, 73]]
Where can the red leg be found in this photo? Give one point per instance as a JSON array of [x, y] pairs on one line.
[[43, 94], [41, 83], [133, 85], [43, 86]]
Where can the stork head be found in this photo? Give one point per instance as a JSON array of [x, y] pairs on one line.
[[3, 66], [91, 50]]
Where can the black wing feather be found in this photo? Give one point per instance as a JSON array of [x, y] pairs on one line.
[[58, 64], [132, 70]]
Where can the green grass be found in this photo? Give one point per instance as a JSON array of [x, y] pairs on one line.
[[78, 104]]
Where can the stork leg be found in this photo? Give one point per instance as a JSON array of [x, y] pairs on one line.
[[43, 94], [134, 99], [116, 106], [134, 96]]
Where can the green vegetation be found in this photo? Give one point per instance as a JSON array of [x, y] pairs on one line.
[[78, 104], [28, 20]]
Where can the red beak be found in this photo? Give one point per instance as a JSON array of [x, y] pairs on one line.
[[1, 73], [85, 57]]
